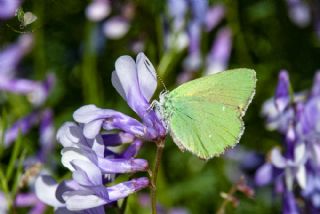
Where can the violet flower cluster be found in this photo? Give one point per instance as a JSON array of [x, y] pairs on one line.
[[305, 13], [183, 32], [37, 93], [295, 169], [114, 27], [88, 145]]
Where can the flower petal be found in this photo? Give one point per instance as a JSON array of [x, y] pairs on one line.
[[147, 77], [82, 199], [124, 189], [92, 129], [45, 188], [86, 173], [277, 159], [69, 154], [282, 96], [122, 165], [126, 72], [264, 175], [302, 177], [116, 27]]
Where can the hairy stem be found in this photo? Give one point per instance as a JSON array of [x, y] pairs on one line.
[[154, 175], [225, 202]]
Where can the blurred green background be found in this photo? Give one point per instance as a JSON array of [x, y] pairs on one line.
[[66, 43]]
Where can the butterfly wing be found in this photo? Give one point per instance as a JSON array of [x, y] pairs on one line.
[[206, 113]]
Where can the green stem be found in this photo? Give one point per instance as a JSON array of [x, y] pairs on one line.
[[224, 204], [90, 77], [154, 175]]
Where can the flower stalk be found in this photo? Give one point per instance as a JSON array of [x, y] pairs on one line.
[[154, 174]]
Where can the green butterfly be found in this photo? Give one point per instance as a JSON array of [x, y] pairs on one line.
[[204, 116]]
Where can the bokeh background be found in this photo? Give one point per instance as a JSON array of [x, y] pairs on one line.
[[266, 35]]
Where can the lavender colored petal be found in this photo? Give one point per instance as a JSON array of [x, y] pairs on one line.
[[177, 10], [282, 94], [86, 173], [124, 189], [97, 10], [126, 72], [47, 133], [199, 9], [11, 56], [315, 91], [300, 153], [277, 159], [3, 203], [39, 208], [264, 175], [299, 12], [289, 203], [218, 58], [122, 165], [26, 199], [116, 27], [301, 177], [70, 135], [117, 139], [213, 16], [92, 129], [45, 188], [23, 125], [194, 32], [113, 120], [69, 154], [147, 77], [8, 8], [82, 199], [132, 150], [98, 146]]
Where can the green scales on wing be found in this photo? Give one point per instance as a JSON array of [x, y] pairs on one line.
[[204, 116]]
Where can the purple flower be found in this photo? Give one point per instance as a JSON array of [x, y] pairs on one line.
[[136, 83], [299, 12], [296, 117], [37, 92], [213, 16], [12, 55], [218, 58], [93, 164], [98, 10], [73, 197], [23, 200], [116, 27], [8, 8]]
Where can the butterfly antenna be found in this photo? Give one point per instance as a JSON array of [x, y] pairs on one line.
[[162, 82]]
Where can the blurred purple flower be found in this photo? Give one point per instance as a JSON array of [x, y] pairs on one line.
[[299, 12], [8, 8], [12, 55], [23, 200], [296, 117], [97, 10], [37, 92], [213, 16], [218, 58], [116, 27]]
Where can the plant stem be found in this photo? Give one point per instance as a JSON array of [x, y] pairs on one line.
[[222, 208], [154, 175]]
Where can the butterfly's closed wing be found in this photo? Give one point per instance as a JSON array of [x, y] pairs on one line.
[[205, 115]]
